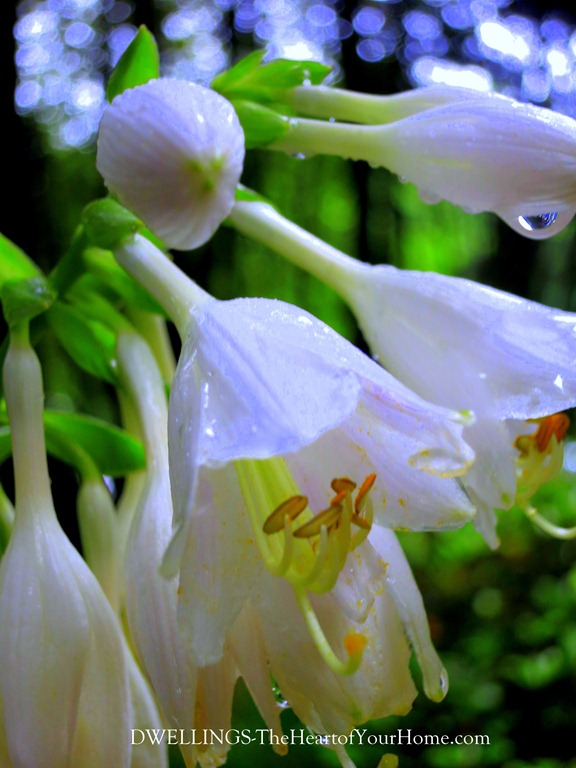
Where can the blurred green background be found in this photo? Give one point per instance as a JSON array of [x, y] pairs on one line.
[[504, 622]]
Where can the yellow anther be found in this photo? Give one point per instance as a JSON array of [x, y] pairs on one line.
[[327, 518], [290, 509], [361, 522], [556, 425], [340, 484], [364, 488]]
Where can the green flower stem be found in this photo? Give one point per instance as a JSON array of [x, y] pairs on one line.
[[321, 101], [71, 266], [264, 224], [25, 403], [172, 289], [347, 140]]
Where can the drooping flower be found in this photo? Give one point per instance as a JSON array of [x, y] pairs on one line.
[[63, 676], [271, 415], [481, 153], [172, 151], [458, 344]]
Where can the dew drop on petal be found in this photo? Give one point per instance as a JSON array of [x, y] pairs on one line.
[[538, 226], [541, 221], [444, 682]]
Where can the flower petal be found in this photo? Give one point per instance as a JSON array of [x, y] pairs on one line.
[[465, 345]]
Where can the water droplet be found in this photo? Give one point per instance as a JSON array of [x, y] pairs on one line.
[[541, 221], [538, 226], [299, 156], [444, 682], [279, 698]]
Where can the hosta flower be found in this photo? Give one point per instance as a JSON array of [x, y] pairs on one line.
[[287, 408], [286, 444], [483, 154], [461, 345], [63, 676], [464, 345], [172, 151]]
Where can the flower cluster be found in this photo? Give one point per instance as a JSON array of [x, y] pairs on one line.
[[256, 537]]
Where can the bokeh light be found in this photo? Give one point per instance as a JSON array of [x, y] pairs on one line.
[[66, 48]]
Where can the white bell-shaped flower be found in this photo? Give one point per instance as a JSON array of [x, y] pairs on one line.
[[63, 675]]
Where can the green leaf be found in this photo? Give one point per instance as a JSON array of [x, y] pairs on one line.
[[265, 83], [107, 223], [90, 344], [14, 263], [260, 124], [113, 450], [139, 63], [25, 299]]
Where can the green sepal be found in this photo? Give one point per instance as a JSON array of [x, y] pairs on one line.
[[138, 64], [107, 223], [14, 263], [90, 344], [24, 299], [251, 80], [111, 449], [261, 125]]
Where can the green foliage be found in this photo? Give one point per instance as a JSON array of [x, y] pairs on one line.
[[24, 299], [265, 83], [14, 263], [139, 63], [113, 450], [69, 435], [90, 344]]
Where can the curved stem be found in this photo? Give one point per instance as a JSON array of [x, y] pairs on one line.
[[354, 660], [263, 223], [558, 532], [174, 291]]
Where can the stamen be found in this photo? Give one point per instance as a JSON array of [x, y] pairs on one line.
[[557, 424], [540, 460], [356, 646], [340, 484], [290, 509], [559, 532], [364, 488], [327, 518]]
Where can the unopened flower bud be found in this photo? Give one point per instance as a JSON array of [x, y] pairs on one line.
[[172, 151]]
